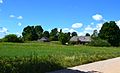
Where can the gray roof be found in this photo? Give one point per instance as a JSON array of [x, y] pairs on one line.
[[43, 39], [81, 38], [74, 39], [85, 38]]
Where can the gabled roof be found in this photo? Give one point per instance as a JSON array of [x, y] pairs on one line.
[[74, 39], [85, 38], [44, 39], [81, 38]]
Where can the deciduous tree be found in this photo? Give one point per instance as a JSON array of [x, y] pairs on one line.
[[110, 32]]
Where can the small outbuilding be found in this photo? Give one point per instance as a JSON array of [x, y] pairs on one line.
[[80, 39], [84, 39], [43, 39], [74, 39]]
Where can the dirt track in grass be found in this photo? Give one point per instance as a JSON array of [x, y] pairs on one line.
[[106, 66]]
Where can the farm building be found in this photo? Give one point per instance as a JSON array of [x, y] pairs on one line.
[[80, 39], [43, 39]]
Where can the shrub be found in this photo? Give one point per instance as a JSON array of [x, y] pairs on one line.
[[12, 38], [63, 38], [73, 42], [97, 42], [1, 40], [32, 64]]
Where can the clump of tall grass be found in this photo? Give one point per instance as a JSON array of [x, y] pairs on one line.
[[47, 63], [32, 64]]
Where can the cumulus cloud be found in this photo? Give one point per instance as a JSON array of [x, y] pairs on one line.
[[12, 16], [19, 24], [1, 1], [18, 34], [77, 25], [3, 30], [98, 26], [88, 28], [20, 17], [92, 23], [68, 30], [118, 23], [65, 30], [97, 17], [80, 33]]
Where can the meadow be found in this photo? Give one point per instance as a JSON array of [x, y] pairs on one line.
[[38, 57]]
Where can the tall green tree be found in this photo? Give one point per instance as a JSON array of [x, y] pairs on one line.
[[110, 32], [64, 38], [87, 34], [46, 34], [54, 34], [95, 34], [29, 33], [39, 31], [12, 38], [74, 34]]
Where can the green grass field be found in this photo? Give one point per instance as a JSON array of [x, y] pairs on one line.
[[51, 53]]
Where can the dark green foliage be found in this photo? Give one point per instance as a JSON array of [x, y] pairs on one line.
[[110, 32], [74, 34], [87, 34], [46, 34], [97, 42], [74, 42], [27, 33], [31, 64], [64, 38], [39, 31], [20, 39], [95, 34], [17, 57], [1, 40], [12, 38], [31, 33], [54, 34]]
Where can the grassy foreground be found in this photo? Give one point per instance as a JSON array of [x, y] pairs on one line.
[[37, 57]]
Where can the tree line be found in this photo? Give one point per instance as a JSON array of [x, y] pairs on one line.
[[109, 32], [33, 33]]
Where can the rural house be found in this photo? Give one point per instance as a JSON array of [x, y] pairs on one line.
[[43, 39], [80, 39]]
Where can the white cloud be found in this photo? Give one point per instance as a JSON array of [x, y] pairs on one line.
[[19, 17], [97, 17], [1, 1], [12, 16], [3, 30], [88, 28], [118, 23], [77, 25], [81, 33], [98, 26], [18, 34], [68, 30], [19, 24], [92, 23], [59, 29]]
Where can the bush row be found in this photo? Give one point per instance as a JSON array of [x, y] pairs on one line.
[[97, 42], [31, 64], [37, 64]]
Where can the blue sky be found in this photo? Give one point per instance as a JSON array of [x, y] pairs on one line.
[[82, 16]]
